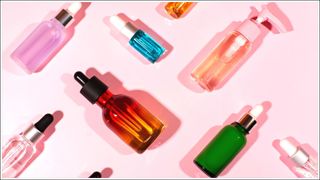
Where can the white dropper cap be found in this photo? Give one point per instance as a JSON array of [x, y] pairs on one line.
[[256, 111], [126, 28], [297, 154], [74, 8]]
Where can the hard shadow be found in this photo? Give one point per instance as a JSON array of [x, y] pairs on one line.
[[171, 122], [286, 159], [140, 25], [57, 116], [10, 65], [187, 165]]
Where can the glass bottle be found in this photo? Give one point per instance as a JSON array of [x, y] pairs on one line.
[[134, 124], [177, 9], [226, 144], [230, 52], [139, 40], [21, 148], [33, 52]]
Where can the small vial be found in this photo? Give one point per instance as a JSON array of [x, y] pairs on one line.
[[177, 9]]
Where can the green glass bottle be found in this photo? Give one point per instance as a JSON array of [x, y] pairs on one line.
[[226, 144]]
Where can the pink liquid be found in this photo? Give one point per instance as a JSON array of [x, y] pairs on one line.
[[37, 47], [222, 61]]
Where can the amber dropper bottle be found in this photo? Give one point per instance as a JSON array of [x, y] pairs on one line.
[[178, 9], [134, 124]]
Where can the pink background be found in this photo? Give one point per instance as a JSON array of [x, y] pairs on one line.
[[282, 74]]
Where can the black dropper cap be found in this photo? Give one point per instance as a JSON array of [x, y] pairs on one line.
[[95, 174], [44, 122], [92, 88]]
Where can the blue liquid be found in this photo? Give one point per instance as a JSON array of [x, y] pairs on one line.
[[146, 46]]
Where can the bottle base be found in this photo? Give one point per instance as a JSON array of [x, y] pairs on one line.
[[145, 146], [205, 170], [204, 85]]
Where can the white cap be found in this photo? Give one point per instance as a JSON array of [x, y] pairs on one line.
[[297, 154], [126, 28], [74, 8], [256, 111]]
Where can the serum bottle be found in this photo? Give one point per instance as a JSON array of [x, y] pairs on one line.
[[45, 39], [178, 9], [227, 144], [134, 124], [230, 52], [138, 39], [20, 149], [306, 166]]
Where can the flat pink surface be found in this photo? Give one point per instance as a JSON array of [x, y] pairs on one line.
[[282, 74]]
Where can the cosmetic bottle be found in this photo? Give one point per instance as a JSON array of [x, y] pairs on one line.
[[227, 144], [34, 51], [95, 174], [177, 9], [21, 148], [231, 51], [138, 39], [306, 166], [134, 124]]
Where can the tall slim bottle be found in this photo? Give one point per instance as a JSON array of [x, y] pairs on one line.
[[33, 52], [306, 166], [20, 149], [134, 124], [178, 9], [225, 146], [138, 39], [230, 51]]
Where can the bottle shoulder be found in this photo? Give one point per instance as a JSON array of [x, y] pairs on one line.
[[235, 130]]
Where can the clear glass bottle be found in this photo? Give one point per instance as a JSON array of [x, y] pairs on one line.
[[306, 166], [133, 123], [33, 52], [20, 149], [177, 9], [139, 40], [225, 146], [230, 52]]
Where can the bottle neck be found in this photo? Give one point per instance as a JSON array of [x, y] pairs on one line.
[[240, 128], [104, 98], [64, 17], [32, 134]]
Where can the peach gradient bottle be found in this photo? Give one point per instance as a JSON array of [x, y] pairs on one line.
[[134, 124], [178, 9], [230, 52]]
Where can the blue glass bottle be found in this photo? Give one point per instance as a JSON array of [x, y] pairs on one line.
[[139, 40]]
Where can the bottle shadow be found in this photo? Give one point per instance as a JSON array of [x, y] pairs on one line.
[[105, 173], [187, 165], [171, 122], [285, 158], [140, 25], [162, 11], [10, 65], [57, 116]]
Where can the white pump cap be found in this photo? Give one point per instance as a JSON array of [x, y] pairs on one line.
[[74, 8], [126, 28], [297, 154], [251, 28]]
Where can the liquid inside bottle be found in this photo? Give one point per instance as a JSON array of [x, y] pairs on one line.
[[37, 47], [222, 61], [134, 124], [177, 9], [15, 155], [146, 46]]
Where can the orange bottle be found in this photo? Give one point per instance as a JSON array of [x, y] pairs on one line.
[[230, 52], [177, 9], [133, 123]]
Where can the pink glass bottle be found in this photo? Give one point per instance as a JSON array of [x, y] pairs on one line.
[[230, 51], [21, 148], [305, 165], [45, 39]]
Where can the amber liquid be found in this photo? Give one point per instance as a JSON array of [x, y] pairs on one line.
[[177, 9], [222, 61], [134, 124]]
